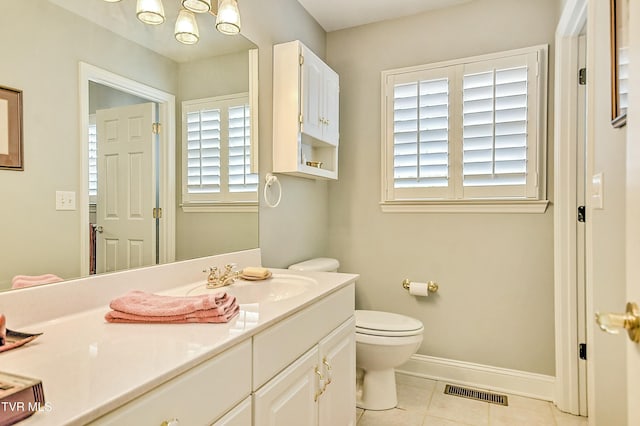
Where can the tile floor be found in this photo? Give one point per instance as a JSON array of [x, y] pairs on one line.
[[422, 402]]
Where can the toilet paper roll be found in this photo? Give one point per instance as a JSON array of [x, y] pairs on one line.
[[418, 289]]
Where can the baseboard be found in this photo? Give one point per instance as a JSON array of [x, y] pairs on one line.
[[498, 379]]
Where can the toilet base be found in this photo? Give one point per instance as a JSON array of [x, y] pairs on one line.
[[377, 391]]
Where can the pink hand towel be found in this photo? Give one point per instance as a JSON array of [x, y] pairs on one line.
[[198, 317], [22, 281]]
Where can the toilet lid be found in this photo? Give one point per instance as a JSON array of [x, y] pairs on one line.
[[386, 324]]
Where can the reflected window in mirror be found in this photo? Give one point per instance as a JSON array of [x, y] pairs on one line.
[[216, 146]]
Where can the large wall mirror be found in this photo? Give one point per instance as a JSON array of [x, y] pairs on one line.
[[73, 60]]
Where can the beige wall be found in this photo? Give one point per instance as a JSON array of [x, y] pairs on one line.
[[605, 228], [297, 228], [203, 234], [495, 304]]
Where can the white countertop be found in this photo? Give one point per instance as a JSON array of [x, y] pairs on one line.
[[89, 367]]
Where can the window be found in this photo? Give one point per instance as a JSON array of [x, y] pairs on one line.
[[93, 160], [469, 133], [216, 143]]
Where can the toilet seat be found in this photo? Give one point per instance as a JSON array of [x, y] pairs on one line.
[[388, 324]]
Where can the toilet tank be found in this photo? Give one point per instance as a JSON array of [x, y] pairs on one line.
[[324, 264]]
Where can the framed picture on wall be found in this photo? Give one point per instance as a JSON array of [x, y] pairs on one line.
[[619, 61], [11, 150]]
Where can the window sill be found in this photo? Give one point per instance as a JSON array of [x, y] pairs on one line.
[[465, 206], [240, 207]]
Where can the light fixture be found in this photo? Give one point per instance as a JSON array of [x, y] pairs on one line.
[[228, 21], [150, 11], [186, 30], [197, 6]]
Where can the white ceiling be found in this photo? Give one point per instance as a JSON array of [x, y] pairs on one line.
[[120, 18], [335, 15]]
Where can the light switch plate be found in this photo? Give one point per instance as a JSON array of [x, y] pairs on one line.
[[65, 200], [597, 191]]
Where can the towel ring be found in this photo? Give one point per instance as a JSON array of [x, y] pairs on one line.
[[270, 179]]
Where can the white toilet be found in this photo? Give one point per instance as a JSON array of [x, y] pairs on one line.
[[384, 340]]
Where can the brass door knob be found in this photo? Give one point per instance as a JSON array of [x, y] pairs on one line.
[[613, 323]]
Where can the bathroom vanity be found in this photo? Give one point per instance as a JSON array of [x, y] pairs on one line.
[[288, 356]]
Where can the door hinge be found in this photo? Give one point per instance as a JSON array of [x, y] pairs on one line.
[[157, 213], [301, 119], [301, 59], [582, 214], [582, 76], [582, 351], [155, 128]]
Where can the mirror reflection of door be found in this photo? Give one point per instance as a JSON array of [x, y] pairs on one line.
[[123, 184]]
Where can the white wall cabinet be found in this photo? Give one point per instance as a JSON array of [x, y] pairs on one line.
[[305, 113]]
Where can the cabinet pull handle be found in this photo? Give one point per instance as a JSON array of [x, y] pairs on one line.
[[320, 387], [328, 381], [172, 422]]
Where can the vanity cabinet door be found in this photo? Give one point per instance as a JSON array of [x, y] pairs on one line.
[[239, 416], [290, 398], [338, 361]]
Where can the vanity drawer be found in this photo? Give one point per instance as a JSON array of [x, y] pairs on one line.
[[197, 397], [281, 344]]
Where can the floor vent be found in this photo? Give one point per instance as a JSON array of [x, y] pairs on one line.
[[484, 396]]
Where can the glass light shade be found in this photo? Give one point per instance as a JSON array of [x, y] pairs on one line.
[[186, 30], [197, 6], [228, 21], [150, 11]]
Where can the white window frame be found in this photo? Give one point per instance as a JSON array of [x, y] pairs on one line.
[[456, 198], [223, 201]]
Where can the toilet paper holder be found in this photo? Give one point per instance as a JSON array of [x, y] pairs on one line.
[[431, 285]]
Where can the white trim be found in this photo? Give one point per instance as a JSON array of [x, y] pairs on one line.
[[167, 112], [566, 395], [531, 385], [465, 206], [220, 208], [254, 84]]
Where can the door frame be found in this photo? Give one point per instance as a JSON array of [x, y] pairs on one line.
[[167, 113], [568, 389]]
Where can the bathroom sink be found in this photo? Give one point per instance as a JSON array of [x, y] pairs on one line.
[[275, 289]]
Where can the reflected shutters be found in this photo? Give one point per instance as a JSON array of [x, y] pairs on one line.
[[240, 177], [203, 151]]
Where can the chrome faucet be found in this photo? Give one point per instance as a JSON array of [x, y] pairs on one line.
[[218, 278]]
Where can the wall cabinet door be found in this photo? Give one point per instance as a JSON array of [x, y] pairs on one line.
[[290, 398], [338, 360], [319, 99]]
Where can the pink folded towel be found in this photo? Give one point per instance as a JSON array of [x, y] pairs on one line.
[[140, 306], [198, 317], [22, 281]]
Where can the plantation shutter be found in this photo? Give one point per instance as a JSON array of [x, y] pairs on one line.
[[240, 177], [93, 159], [203, 151], [419, 105], [499, 128]]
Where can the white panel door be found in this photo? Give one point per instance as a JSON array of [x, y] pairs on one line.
[[633, 207], [289, 399], [331, 84], [126, 188]]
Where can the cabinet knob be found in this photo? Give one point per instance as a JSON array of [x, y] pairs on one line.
[[172, 422]]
